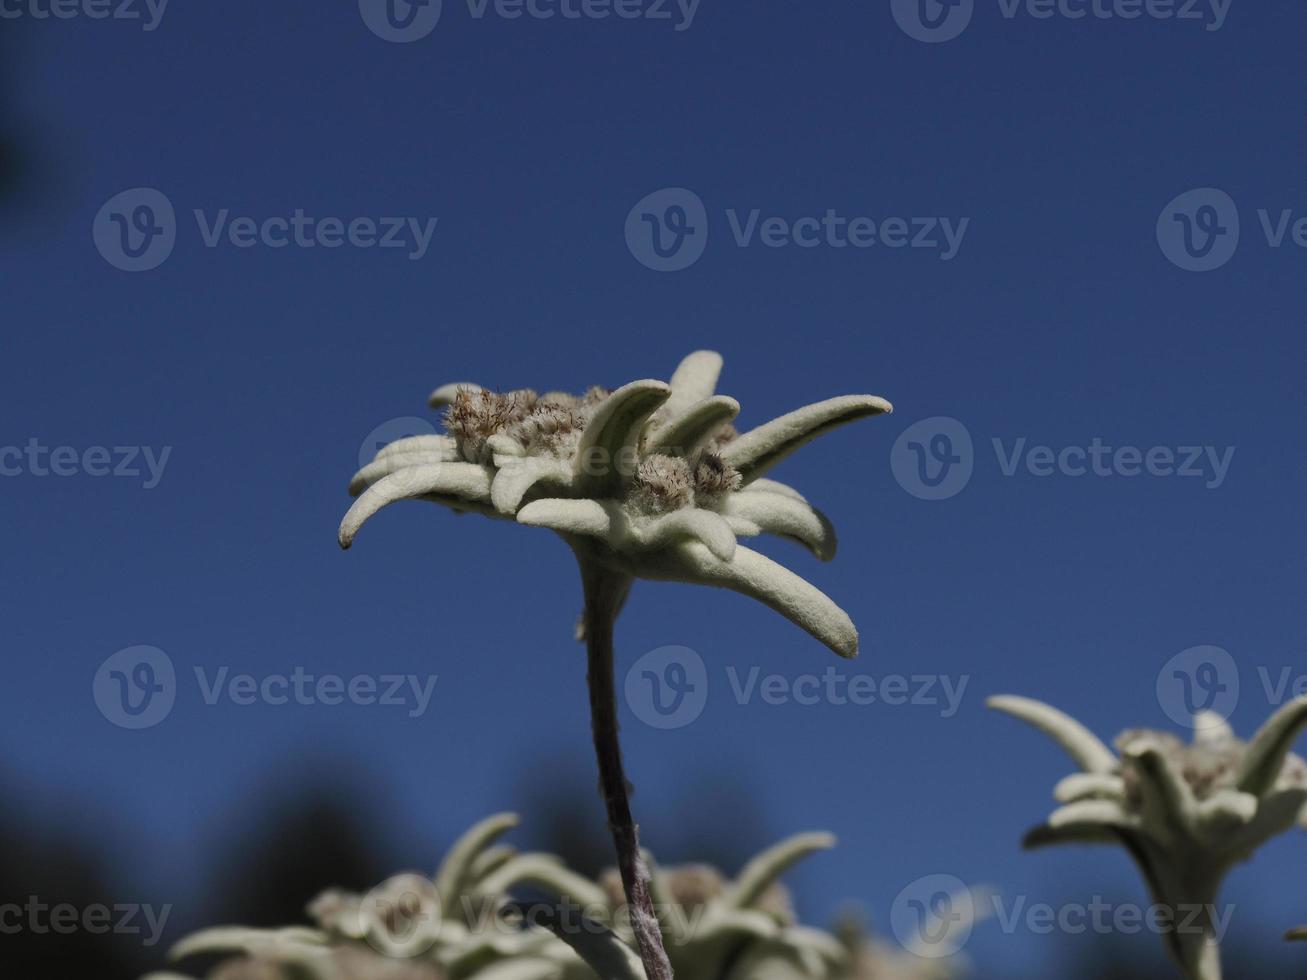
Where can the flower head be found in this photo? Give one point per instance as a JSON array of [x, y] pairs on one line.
[[1187, 813], [411, 927], [648, 481]]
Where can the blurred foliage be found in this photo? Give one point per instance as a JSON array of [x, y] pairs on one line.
[[293, 844]]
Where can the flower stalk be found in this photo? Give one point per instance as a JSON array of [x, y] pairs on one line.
[[605, 592]]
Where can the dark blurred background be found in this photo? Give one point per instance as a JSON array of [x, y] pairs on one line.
[[298, 840], [231, 357]]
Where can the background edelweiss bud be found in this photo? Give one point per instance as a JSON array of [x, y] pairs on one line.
[[1187, 813]]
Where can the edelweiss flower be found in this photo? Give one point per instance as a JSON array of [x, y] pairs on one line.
[[416, 928], [1186, 813], [648, 481], [716, 929]]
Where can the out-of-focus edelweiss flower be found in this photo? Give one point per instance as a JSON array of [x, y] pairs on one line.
[[1187, 813], [742, 929], [450, 927], [650, 481], [415, 928]]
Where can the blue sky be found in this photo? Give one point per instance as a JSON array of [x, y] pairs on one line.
[[1058, 321]]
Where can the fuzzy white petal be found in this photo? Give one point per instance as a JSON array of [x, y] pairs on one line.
[[1082, 745], [383, 466], [1089, 785], [1090, 812], [1167, 795], [603, 952], [774, 486], [546, 872], [758, 577], [519, 476], [611, 436], [1266, 753], [426, 443], [692, 523], [283, 944], [695, 378], [757, 451], [458, 480], [684, 433], [764, 869], [522, 968], [1211, 728], [1226, 809], [790, 518], [454, 874], [587, 517]]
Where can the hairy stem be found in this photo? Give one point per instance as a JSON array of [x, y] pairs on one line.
[[605, 592]]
